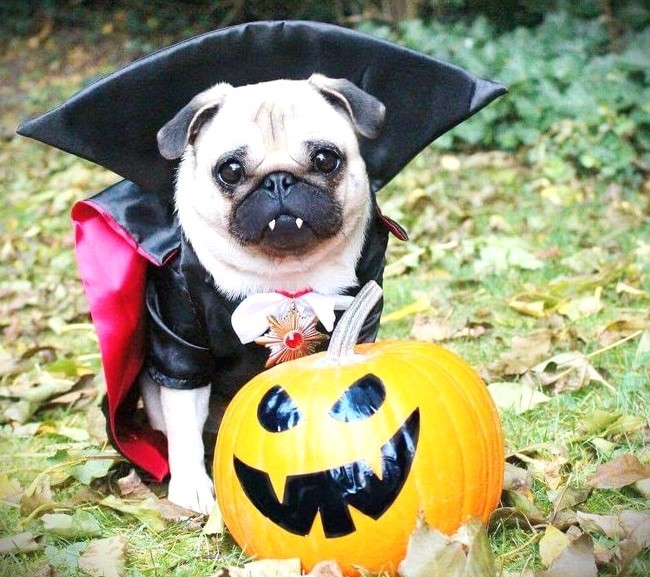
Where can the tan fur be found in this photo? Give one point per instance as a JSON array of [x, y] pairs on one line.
[[273, 120]]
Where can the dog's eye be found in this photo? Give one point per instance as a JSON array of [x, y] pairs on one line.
[[229, 173], [326, 161]]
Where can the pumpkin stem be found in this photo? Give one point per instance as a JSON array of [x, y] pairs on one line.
[[345, 335]]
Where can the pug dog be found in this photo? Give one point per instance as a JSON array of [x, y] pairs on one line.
[[272, 196]]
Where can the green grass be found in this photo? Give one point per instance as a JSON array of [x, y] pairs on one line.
[[576, 235]]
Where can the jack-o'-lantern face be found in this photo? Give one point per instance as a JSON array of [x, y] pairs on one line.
[[331, 491], [337, 462]]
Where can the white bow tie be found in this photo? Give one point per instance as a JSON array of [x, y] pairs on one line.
[[250, 319]]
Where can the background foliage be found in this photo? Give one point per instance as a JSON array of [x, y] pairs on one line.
[[578, 72]]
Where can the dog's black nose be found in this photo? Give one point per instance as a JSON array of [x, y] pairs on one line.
[[278, 184]]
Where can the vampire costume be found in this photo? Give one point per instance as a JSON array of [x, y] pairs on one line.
[[132, 258]]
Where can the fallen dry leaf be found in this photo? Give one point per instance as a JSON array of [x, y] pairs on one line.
[[10, 489], [619, 329], [576, 560], [19, 543], [132, 487], [431, 553], [621, 472], [524, 507], [552, 545], [637, 525], [146, 511], [263, 568], [422, 304], [568, 371], [642, 487], [567, 497], [583, 306], [517, 480], [133, 490], [76, 526], [545, 461], [215, 524], [517, 397], [609, 525], [437, 329], [47, 571], [104, 557], [38, 496], [525, 352]]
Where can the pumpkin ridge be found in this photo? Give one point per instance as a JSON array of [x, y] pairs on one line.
[[459, 388]]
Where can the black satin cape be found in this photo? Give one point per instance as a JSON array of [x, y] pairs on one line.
[[129, 231]]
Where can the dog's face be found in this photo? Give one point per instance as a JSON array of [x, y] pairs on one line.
[[272, 190]]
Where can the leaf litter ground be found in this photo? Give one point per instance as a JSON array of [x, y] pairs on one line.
[[543, 285]]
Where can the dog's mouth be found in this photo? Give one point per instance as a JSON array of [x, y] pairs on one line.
[[288, 233], [332, 491], [289, 224]]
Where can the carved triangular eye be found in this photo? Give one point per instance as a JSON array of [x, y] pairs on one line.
[[362, 399], [277, 411]]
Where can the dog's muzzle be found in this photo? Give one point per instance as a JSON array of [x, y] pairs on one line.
[[286, 215]]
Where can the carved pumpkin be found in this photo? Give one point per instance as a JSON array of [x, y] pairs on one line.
[[335, 455]]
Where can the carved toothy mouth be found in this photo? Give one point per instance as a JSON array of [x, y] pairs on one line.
[[332, 491]]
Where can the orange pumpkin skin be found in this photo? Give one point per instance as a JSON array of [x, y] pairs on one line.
[[456, 472]]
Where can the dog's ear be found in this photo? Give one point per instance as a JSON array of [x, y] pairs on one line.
[[366, 112], [184, 127]]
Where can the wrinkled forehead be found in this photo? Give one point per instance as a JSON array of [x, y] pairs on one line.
[[280, 112]]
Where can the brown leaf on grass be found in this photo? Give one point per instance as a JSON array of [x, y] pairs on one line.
[[326, 569], [545, 461], [552, 545], [84, 391], [517, 480], [524, 353], [47, 571], [621, 472], [533, 304], [19, 543], [37, 386], [576, 560], [582, 306], [173, 512], [38, 496], [525, 507], [215, 524], [637, 526], [132, 488], [567, 497], [609, 525], [10, 489], [79, 525], [96, 425], [81, 495], [617, 330], [105, 557], [437, 329], [431, 553], [643, 488], [568, 371], [263, 568], [147, 511], [516, 397]]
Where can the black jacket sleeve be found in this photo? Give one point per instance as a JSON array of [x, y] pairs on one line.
[[179, 356]]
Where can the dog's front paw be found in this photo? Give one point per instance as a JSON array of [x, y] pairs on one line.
[[195, 492]]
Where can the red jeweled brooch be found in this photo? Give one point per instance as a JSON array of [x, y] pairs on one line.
[[290, 337]]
